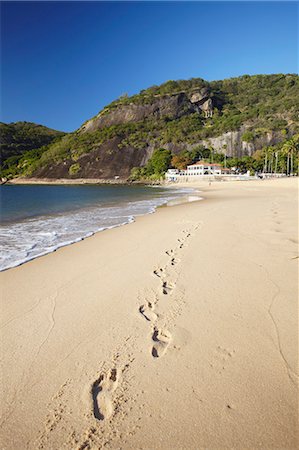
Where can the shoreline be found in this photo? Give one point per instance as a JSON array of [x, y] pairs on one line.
[[191, 309], [126, 182], [183, 198], [77, 181]]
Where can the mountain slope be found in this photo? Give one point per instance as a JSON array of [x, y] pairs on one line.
[[235, 116], [19, 137]]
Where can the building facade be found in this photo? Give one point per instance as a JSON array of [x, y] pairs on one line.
[[201, 168]]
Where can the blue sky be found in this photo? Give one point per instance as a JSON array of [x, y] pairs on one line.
[[63, 61]]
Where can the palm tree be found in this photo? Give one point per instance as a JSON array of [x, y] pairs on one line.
[[289, 149]]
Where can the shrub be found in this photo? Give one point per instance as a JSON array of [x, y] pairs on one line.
[[74, 168], [248, 136], [159, 162]]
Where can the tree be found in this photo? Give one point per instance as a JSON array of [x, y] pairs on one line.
[[181, 160], [159, 162], [290, 150], [200, 152], [258, 160], [218, 158], [137, 173]]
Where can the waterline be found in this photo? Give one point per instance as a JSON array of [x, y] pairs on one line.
[[25, 239]]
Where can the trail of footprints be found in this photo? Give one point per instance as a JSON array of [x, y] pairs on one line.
[[103, 387], [107, 393], [278, 229], [161, 337]]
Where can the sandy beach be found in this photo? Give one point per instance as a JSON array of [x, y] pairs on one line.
[[178, 331]]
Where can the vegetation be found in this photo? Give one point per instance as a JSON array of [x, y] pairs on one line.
[[248, 136], [148, 96], [19, 137], [183, 159], [155, 168], [74, 169], [281, 158], [24, 164], [259, 104], [254, 98]]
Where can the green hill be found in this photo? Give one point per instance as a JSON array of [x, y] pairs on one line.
[[19, 137], [235, 116]]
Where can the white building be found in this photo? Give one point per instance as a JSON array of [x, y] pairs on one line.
[[174, 174], [201, 168], [198, 169]]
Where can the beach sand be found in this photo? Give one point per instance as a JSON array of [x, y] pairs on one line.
[[178, 331]]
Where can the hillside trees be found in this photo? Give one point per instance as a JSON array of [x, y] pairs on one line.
[[155, 168], [19, 137], [262, 107]]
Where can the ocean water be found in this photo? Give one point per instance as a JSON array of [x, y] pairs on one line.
[[38, 219]]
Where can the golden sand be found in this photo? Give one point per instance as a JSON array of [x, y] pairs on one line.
[[178, 331]]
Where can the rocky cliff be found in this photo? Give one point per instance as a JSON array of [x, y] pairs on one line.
[[236, 116], [232, 144], [171, 106]]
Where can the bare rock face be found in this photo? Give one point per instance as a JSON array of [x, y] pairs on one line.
[[105, 162], [158, 117], [231, 143], [171, 106], [195, 98], [207, 108], [200, 96], [203, 101]]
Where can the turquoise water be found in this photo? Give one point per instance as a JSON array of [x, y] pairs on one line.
[[21, 202], [38, 219]]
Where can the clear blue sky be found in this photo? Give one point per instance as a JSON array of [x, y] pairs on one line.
[[63, 61]]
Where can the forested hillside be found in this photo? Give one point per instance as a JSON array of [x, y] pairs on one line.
[[20, 137], [236, 117]]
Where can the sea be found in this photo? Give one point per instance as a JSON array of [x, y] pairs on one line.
[[39, 219]]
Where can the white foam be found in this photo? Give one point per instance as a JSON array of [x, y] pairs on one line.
[[31, 238]]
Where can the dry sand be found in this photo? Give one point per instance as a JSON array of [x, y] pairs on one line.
[[178, 331]]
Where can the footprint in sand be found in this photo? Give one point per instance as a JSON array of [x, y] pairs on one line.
[[174, 261], [159, 272], [167, 287], [148, 312], [162, 340], [101, 392], [182, 242]]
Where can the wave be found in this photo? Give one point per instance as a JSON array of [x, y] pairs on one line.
[[35, 237]]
